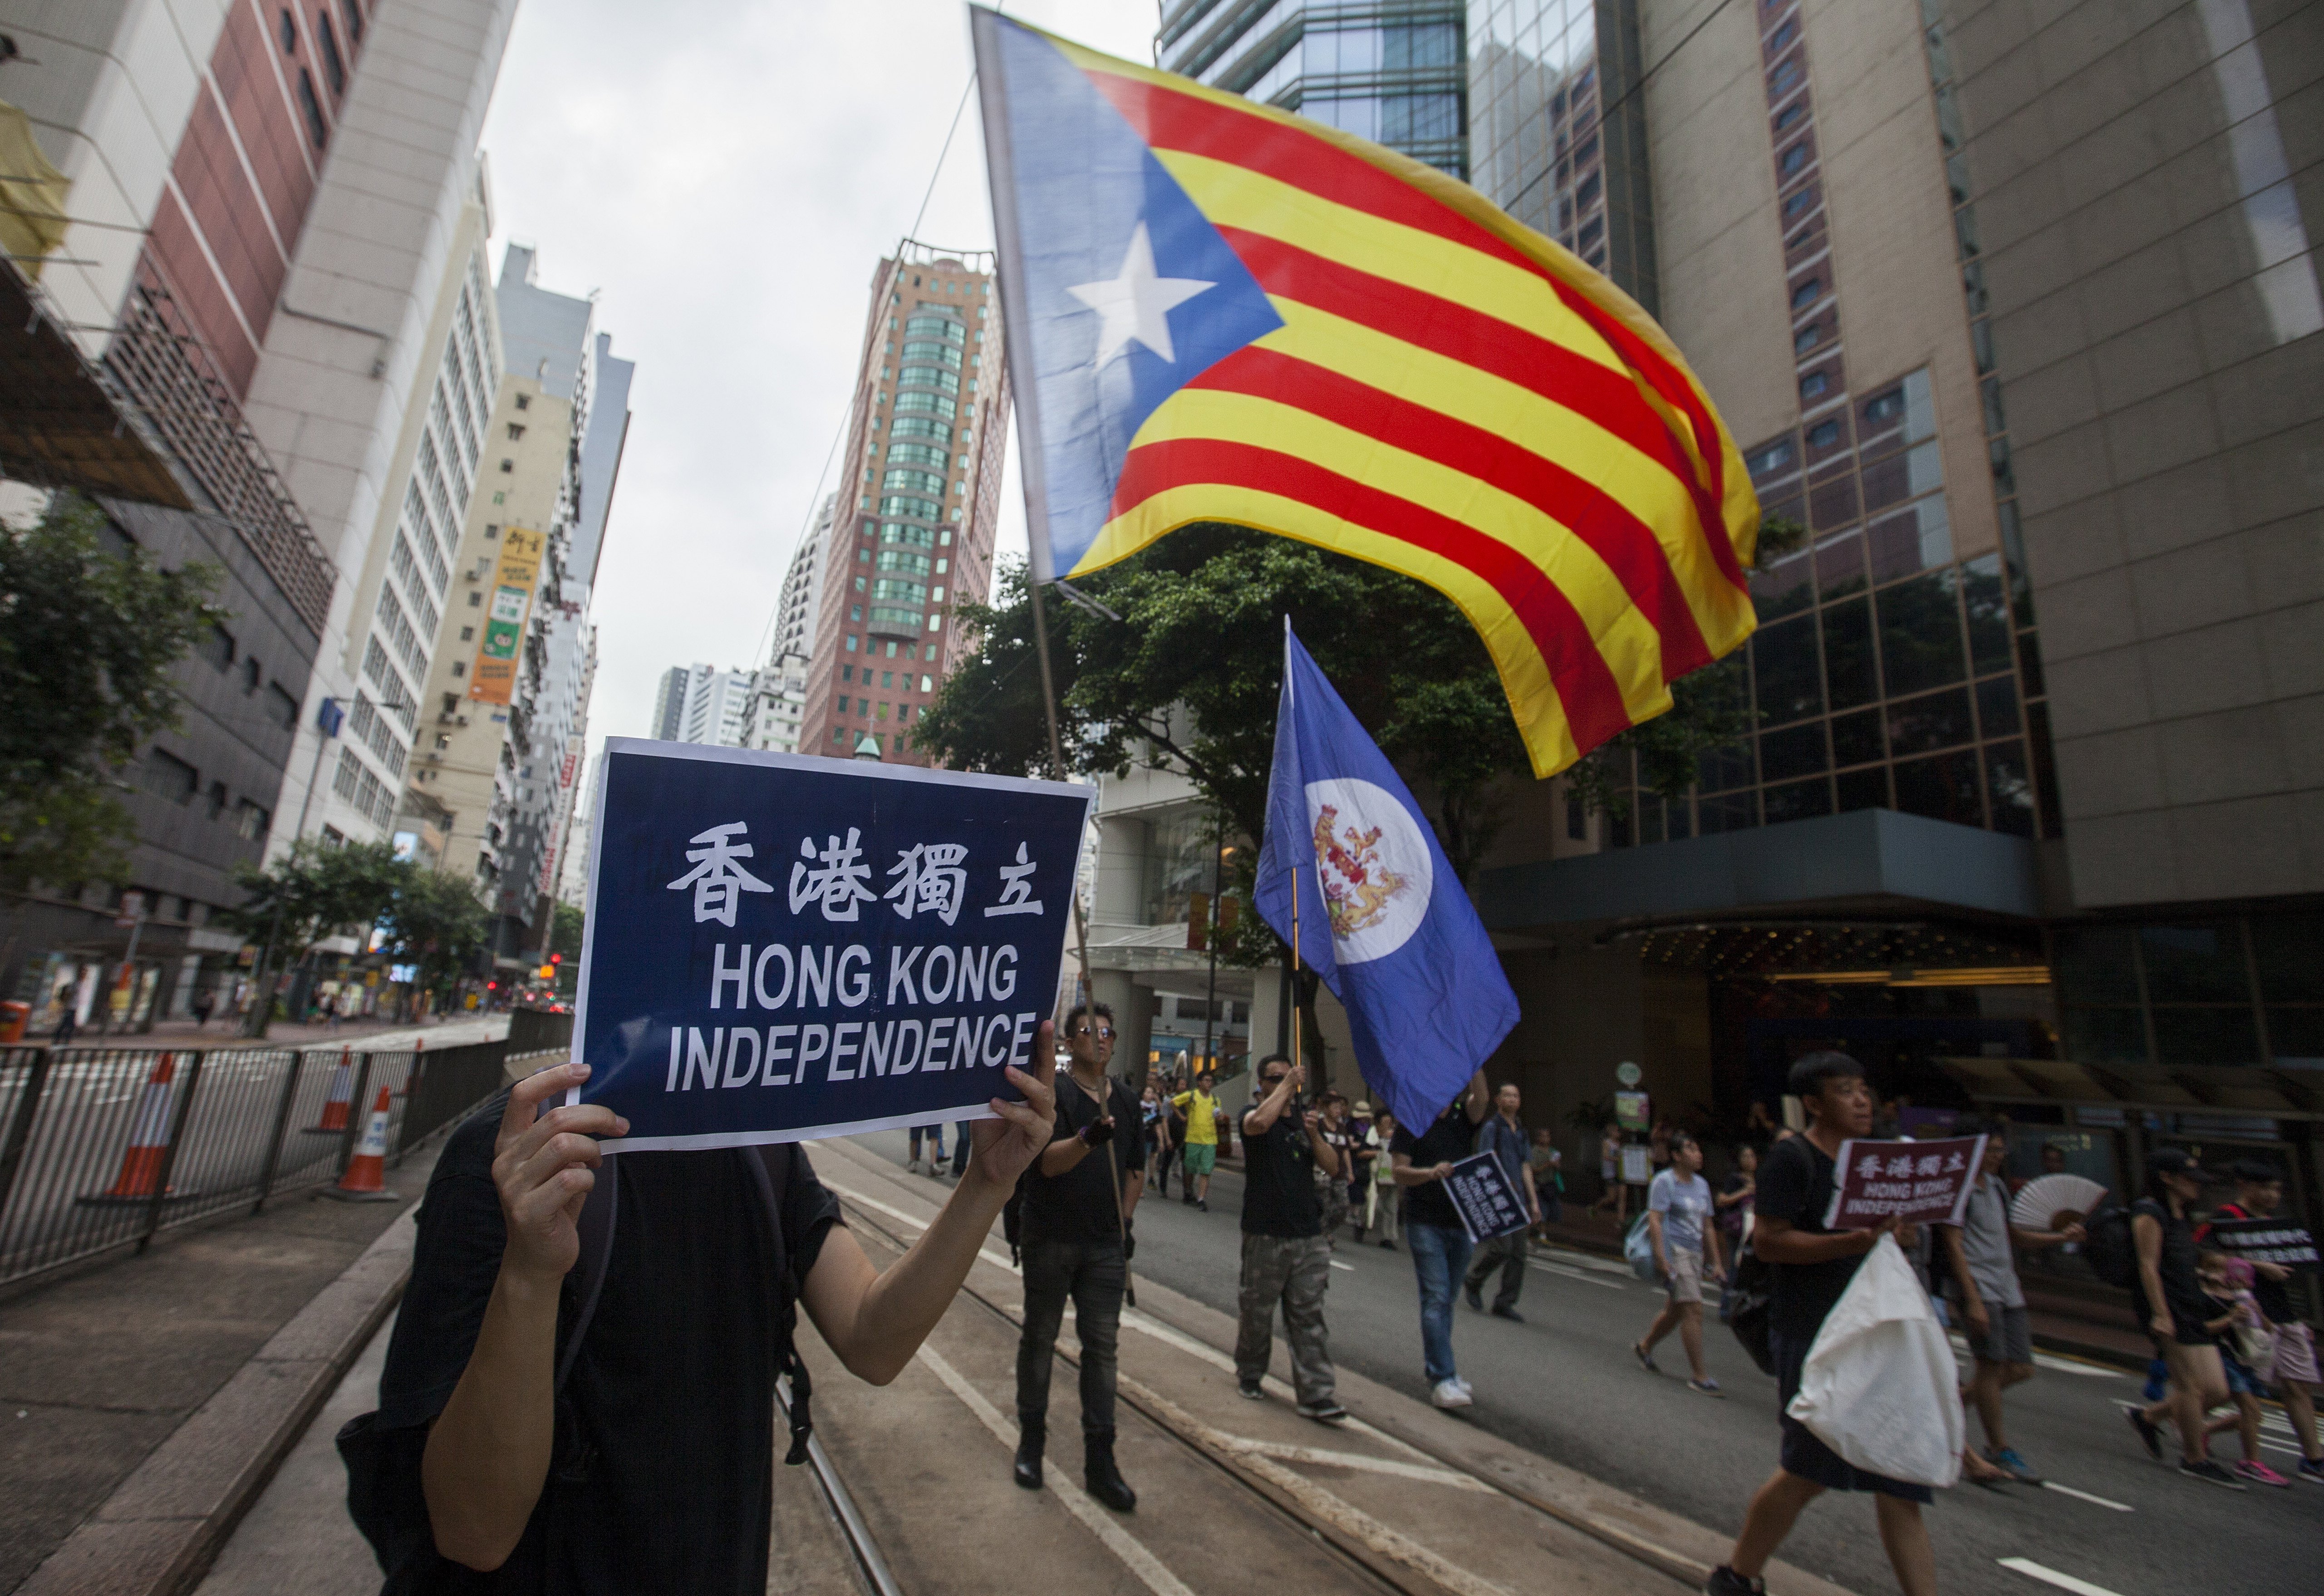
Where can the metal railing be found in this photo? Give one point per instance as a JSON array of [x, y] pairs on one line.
[[103, 1148]]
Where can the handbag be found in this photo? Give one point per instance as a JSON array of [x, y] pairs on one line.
[[1638, 1251], [1747, 1305]]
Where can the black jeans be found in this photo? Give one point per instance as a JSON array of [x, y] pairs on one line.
[[1094, 1274]]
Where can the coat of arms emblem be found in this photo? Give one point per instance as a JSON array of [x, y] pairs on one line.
[[1357, 884]]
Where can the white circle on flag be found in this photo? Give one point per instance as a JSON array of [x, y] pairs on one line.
[[1374, 865]]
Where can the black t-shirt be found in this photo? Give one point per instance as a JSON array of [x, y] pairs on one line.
[[2273, 1299], [2183, 1287], [1278, 1179], [1076, 1206], [1796, 1184], [1449, 1141], [669, 1404]]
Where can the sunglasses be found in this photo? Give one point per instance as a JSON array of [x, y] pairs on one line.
[[1102, 1034]]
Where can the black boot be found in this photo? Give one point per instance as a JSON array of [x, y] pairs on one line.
[[1099, 1474], [1031, 1435]]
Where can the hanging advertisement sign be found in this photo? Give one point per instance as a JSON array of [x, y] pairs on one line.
[[491, 679], [780, 947]]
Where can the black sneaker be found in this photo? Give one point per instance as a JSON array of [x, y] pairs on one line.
[[1476, 1299], [1251, 1388], [1323, 1413], [1725, 1581], [1512, 1315], [2208, 1471], [1204, 1205], [2146, 1432]]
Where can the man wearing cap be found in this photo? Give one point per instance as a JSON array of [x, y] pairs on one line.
[[2167, 1295]]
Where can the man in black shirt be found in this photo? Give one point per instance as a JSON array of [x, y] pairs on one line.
[[1432, 1229], [663, 1432], [1285, 1258], [1078, 1200], [1809, 1267]]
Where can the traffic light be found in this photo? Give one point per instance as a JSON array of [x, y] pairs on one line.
[[546, 973], [491, 986], [556, 958]]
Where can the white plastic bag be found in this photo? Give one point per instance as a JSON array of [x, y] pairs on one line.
[[1880, 1387]]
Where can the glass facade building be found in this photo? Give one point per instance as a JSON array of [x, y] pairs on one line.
[[1391, 73]]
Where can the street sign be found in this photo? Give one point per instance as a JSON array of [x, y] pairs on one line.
[[1629, 1074], [780, 947], [1633, 1111], [132, 911]]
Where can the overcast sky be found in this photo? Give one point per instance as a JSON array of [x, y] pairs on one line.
[[724, 175]]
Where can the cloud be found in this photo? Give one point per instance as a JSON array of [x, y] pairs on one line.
[[725, 177]]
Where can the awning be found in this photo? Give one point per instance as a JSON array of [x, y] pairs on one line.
[[2217, 1089], [59, 426]]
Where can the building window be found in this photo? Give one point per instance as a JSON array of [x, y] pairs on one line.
[[168, 778], [317, 128], [355, 21], [1813, 384], [281, 706], [508, 465], [524, 401], [289, 28], [1806, 294], [334, 69], [1823, 435], [516, 430], [249, 821], [217, 647], [218, 800], [1797, 205]]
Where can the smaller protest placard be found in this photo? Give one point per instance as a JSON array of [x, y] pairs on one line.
[[1917, 1182], [1481, 1194], [1638, 1165], [1633, 1111], [2266, 1240]]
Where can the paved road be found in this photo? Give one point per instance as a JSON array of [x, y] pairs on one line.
[[1564, 1384]]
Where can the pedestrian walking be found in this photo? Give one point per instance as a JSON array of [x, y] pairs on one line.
[[1174, 1138], [1382, 1197], [932, 1136], [1503, 1135], [1735, 1197], [68, 1017], [1331, 1188], [1286, 1253], [204, 999], [1810, 1267], [1546, 1165], [1199, 1153], [502, 1447], [1686, 1251], [2291, 1366], [1079, 1197], [1988, 1301], [1609, 1169], [2240, 1327], [2167, 1294], [1154, 1117], [1432, 1226]]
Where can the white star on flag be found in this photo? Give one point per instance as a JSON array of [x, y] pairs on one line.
[[1136, 304]]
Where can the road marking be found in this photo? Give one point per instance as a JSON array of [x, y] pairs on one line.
[[1560, 1270], [1077, 1501], [2084, 1496], [1604, 1265], [2064, 1581], [1338, 1265], [1327, 1458]]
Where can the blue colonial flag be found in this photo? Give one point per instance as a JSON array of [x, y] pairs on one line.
[[1380, 916]]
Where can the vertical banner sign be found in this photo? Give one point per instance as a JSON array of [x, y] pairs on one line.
[[780, 947], [1917, 1182], [494, 676]]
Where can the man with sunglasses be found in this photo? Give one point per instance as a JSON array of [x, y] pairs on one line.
[[1286, 1257], [1079, 1195]]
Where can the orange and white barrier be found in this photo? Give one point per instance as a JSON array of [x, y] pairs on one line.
[[149, 1134], [367, 1173], [342, 1097]]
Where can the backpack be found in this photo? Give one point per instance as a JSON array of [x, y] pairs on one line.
[[384, 1495], [1747, 1305], [2107, 1245]]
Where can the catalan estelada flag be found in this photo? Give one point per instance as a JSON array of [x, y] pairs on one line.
[[1218, 310]]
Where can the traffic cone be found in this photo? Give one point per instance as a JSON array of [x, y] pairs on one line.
[[334, 1121], [149, 1139], [366, 1180]]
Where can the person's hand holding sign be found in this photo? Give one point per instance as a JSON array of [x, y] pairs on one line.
[[545, 1164], [1005, 1145]]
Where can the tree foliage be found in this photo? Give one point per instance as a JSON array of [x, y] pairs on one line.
[[88, 634], [436, 922], [315, 891], [564, 937]]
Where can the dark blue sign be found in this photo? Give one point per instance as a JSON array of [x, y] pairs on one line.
[[781, 948]]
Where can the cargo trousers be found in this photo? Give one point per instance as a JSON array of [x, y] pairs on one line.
[[1294, 1271]]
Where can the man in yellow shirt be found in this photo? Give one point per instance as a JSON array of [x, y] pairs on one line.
[[1201, 1154]]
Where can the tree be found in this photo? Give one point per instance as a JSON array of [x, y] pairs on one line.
[[88, 634], [435, 922], [565, 937], [315, 891]]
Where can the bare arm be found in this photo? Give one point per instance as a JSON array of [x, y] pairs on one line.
[[1777, 1240], [1262, 1120], [1407, 1173], [1478, 1098], [876, 1320], [487, 1453], [2146, 1240], [1327, 1156], [1972, 1301], [1654, 1235]]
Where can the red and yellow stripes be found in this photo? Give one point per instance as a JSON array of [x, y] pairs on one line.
[[1453, 396]]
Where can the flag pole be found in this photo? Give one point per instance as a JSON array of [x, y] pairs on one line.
[[1057, 768], [1290, 689]]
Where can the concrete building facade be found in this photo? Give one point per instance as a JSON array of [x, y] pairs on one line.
[[928, 423]]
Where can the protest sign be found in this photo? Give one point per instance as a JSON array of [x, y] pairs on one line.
[[1918, 1182], [1481, 1194], [2266, 1240], [1638, 1165], [1633, 1111], [780, 947]]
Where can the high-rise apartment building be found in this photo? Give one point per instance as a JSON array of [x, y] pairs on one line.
[[670, 703], [778, 704], [930, 419], [1397, 74], [2016, 312], [507, 696], [702, 703], [238, 292], [802, 591]]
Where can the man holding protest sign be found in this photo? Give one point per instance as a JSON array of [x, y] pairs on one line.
[[1286, 1256], [1811, 1264], [1078, 1200], [1504, 1136], [1432, 1229]]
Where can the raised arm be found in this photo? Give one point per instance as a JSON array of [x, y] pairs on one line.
[[1262, 1120], [875, 1321], [487, 1454]]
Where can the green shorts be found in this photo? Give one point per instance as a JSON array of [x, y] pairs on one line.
[[1199, 1157]]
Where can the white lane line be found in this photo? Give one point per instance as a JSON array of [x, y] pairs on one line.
[[1327, 1458], [2084, 1496], [2064, 1581], [1586, 1260], [1560, 1270], [1338, 1265], [1075, 1500]]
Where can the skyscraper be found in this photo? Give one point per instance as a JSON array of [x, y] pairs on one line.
[[929, 418], [802, 594], [1395, 75], [700, 703]]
